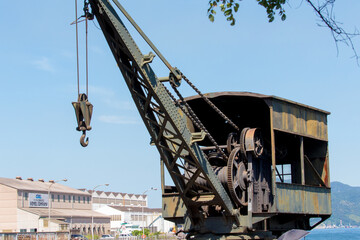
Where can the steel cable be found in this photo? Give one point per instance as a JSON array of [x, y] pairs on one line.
[[192, 116], [209, 102], [87, 68], [77, 49]]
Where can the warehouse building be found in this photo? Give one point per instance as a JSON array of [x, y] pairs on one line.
[[127, 219], [39, 206], [101, 198], [128, 211]]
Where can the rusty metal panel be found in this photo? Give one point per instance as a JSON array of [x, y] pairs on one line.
[[300, 120], [302, 199], [173, 206], [325, 176]]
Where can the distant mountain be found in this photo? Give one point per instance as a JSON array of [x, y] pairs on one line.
[[345, 205]]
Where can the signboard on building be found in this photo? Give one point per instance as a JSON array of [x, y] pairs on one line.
[[38, 200]]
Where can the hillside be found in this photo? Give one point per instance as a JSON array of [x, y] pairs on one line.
[[345, 204]]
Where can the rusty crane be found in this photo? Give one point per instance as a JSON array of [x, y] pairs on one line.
[[244, 165]]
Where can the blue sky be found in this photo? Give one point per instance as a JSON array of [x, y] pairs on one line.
[[294, 59]]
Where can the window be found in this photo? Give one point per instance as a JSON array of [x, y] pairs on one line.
[[83, 199], [22, 230], [26, 195], [78, 199], [88, 199], [69, 198], [63, 227], [115, 217], [63, 198], [283, 173], [136, 218], [52, 197], [58, 198], [73, 198], [33, 229]]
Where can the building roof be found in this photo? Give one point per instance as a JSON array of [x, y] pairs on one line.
[[39, 186], [57, 213], [116, 194], [253, 95], [136, 209]]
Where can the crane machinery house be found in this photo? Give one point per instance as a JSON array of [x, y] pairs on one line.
[[253, 171]]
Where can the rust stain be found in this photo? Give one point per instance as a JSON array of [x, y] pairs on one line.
[[325, 173], [302, 121], [303, 199], [315, 201]]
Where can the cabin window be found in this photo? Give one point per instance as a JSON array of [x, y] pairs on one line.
[[283, 173]]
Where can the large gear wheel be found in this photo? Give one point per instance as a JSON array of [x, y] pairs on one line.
[[237, 179]]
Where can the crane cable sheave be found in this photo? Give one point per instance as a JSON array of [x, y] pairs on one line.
[[83, 111]]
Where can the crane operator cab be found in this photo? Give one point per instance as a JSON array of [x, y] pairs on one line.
[[277, 167]]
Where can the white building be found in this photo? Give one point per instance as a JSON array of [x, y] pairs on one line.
[[27, 206], [101, 198], [129, 210], [128, 218]]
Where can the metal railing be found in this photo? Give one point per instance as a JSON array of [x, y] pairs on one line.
[[156, 237]]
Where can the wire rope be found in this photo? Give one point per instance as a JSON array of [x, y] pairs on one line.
[[77, 49], [87, 57]]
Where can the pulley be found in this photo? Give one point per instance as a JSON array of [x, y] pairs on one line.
[[83, 111]]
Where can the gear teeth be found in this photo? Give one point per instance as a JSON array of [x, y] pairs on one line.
[[241, 200]]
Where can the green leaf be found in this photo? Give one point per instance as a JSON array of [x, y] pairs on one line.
[[283, 17], [211, 18], [222, 7], [236, 7], [227, 12]]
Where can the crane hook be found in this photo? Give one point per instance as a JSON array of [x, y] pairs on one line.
[[82, 138]]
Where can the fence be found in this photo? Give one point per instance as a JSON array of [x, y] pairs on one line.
[[149, 238], [158, 237], [35, 236], [65, 236]]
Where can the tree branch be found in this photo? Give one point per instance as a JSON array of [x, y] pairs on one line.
[[324, 10], [326, 14]]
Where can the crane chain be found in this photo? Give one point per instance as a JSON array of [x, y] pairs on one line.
[[207, 100], [192, 116]]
